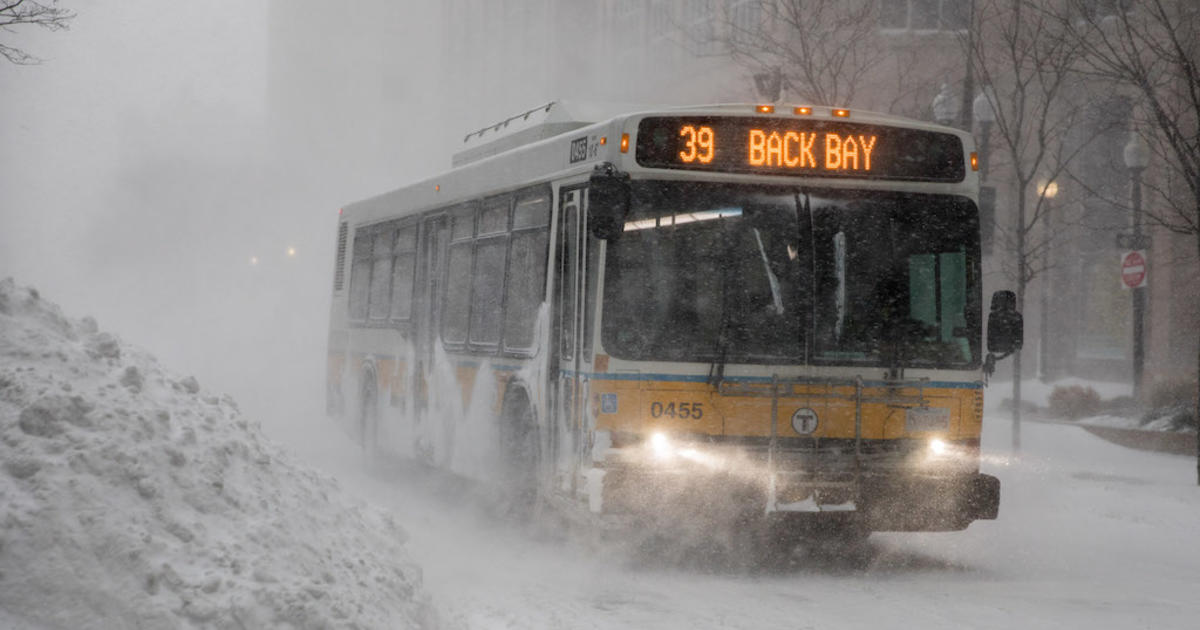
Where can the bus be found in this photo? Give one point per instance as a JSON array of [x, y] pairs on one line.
[[766, 314]]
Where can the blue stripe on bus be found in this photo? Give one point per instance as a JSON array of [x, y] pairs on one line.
[[698, 378]]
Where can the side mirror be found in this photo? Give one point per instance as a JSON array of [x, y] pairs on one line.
[[1006, 327], [608, 201]]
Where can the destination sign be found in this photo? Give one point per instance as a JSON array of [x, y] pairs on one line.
[[790, 146]]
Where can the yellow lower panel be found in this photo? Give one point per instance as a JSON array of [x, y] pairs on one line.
[[690, 407]]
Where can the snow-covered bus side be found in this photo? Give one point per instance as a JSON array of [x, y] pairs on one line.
[[764, 311]]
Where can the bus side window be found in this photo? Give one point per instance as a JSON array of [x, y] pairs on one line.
[[487, 280], [404, 259], [360, 275], [379, 296], [526, 282], [457, 289]]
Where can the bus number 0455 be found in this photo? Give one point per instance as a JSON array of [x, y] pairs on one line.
[[680, 410]]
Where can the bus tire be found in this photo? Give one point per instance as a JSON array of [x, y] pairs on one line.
[[519, 454]]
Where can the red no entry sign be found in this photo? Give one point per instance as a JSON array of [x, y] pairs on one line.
[[1133, 269]]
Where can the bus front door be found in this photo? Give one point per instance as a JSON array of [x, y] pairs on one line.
[[570, 385]]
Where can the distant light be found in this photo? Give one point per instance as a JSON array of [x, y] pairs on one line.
[[1048, 189], [254, 260], [291, 252]]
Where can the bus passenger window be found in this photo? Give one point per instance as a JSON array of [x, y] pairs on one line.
[[458, 294], [487, 290], [493, 219], [463, 225], [526, 282], [360, 276], [403, 266], [379, 298]]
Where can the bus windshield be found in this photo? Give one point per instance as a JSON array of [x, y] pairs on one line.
[[765, 274]]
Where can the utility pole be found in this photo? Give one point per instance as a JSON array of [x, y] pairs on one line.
[[1137, 158], [968, 91]]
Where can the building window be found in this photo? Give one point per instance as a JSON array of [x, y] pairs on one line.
[[1100, 9], [924, 15], [746, 21], [699, 20], [661, 32]]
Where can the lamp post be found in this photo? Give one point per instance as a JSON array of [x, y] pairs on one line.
[[945, 106], [1137, 158], [1047, 190], [769, 84], [985, 116]]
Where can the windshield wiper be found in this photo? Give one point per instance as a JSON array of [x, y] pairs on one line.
[[776, 298], [716, 370]]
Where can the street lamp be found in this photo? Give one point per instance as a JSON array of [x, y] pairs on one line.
[[985, 115], [769, 84], [1137, 158], [945, 106], [1047, 190]]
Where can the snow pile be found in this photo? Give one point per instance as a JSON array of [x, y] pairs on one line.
[[130, 498]]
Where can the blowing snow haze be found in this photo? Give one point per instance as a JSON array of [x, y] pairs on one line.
[[177, 173], [174, 172]]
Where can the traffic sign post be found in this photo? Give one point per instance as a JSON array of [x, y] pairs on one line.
[[1133, 269]]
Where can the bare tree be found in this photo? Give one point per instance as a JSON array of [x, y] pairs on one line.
[[14, 13], [820, 50], [1029, 64], [1152, 49]]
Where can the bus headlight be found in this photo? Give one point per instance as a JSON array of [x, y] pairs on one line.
[[661, 446], [938, 447]]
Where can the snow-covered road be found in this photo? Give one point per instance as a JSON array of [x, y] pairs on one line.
[[1090, 535]]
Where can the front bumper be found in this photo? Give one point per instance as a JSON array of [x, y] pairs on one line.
[[883, 499]]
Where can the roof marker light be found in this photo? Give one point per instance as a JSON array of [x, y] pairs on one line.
[[802, 111], [974, 161], [437, 187], [765, 109], [841, 113], [624, 143], [603, 140]]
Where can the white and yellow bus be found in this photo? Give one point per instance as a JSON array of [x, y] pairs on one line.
[[775, 308]]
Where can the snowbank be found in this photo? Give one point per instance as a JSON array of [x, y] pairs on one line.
[[131, 498]]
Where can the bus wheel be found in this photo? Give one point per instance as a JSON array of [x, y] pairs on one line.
[[519, 452], [369, 422]]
